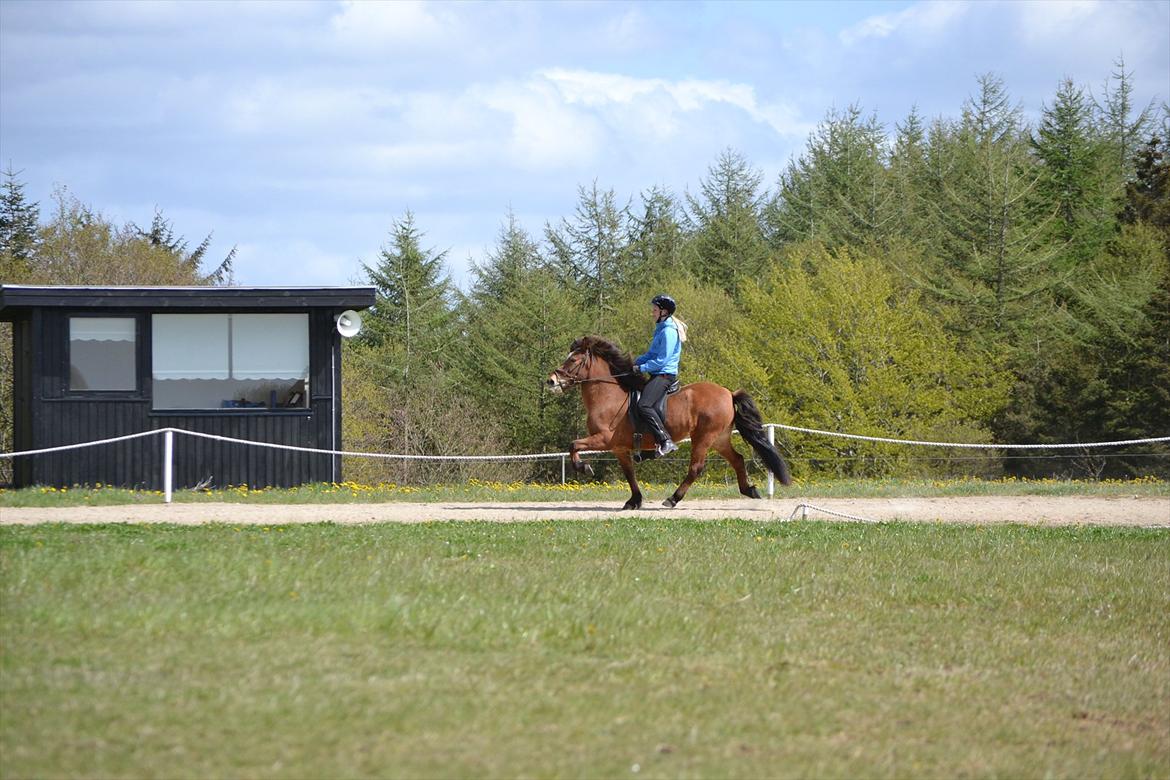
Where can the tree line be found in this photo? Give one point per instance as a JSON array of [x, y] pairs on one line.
[[969, 279]]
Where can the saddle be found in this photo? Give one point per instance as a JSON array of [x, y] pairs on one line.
[[639, 424]]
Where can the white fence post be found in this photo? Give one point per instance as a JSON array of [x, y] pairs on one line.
[[168, 471], [771, 443], [562, 469]]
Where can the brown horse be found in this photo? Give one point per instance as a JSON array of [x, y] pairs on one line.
[[704, 412]]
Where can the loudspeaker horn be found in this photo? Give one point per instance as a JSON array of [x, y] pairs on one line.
[[349, 323]]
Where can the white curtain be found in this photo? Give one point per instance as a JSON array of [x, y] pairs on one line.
[[190, 346], [270, 346], [101, 329], [230, 346]]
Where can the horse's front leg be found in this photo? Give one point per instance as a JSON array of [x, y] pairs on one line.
[[627, 460], [596, 441]]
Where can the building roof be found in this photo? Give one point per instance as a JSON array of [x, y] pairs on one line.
[[18, 298]]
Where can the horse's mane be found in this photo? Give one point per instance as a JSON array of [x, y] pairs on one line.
[[619, 361]]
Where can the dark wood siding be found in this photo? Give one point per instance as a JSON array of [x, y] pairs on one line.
[[22, 408], [57, 417]]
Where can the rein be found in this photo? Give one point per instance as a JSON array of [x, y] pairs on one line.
[[611, 379], [575, 380]]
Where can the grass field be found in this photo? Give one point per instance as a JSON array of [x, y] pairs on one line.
[[639, 648]]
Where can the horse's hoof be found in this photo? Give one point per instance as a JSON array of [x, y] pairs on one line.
[[751, 492], [669, 503], [635, 502], [584, 468]]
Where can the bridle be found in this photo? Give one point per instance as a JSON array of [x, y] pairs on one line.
[[571, 380]]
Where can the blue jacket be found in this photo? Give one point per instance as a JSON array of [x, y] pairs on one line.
[[665, 350]]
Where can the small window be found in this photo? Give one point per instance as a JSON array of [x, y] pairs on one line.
[[230, 361], [103, 353]]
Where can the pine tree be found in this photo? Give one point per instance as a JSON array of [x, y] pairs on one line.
[[161, 234], [413, 311], [1147, 197], [515, 256], [657, 241], [1121, 130], [987, 263], [18, 229], [1071, 185], [591, 252], [512, 345], [909, 182], [407, 357], [728, 243], [838, 190]]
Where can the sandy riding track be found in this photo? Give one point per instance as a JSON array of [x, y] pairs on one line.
[[1030, 510]]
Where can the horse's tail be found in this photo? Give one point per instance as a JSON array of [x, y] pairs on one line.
[[750, 425]]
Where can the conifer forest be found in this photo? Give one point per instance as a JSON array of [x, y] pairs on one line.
[[982, 277]]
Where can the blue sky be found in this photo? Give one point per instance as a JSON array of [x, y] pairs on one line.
[[297, 131]]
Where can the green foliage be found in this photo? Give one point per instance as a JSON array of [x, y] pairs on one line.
[[839, 190], [513, 345], [402, 393], [709, 312], [18, 229], [1147, 196], [162, 234], [412, 320], [964, 278], [1071, 184], [658, 243], [728, 244], [591, 252], [833, 340], [79, 246]]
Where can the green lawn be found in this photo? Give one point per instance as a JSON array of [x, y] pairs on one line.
[[604, 649]]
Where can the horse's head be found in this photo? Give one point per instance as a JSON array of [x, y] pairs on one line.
[[593, 359], [578, 367]]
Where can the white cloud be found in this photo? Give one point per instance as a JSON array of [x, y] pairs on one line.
[[1055, 18], [924, 19], [599, 90], [553, 119], [545, 129], [368, 23]]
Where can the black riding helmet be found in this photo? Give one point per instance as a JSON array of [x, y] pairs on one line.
[[664, 302]]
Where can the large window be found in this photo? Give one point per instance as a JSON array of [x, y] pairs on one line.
[[103, 353], [230, 361]]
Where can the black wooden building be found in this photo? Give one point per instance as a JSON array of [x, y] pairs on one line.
[[255, 363]]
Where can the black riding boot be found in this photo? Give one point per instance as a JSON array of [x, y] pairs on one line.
[[665, 445], [653, 392]]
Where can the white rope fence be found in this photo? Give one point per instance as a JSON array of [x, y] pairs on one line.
[[1075, 445], [168, 450]]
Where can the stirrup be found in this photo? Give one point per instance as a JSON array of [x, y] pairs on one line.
[[665, 448]]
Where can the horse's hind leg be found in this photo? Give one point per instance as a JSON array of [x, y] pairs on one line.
[[627, 462], [724, 447], [699, 447]]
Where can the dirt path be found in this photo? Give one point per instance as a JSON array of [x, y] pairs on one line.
[[1031, 510]]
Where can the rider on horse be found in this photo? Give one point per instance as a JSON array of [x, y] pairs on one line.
[[661, 362]]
